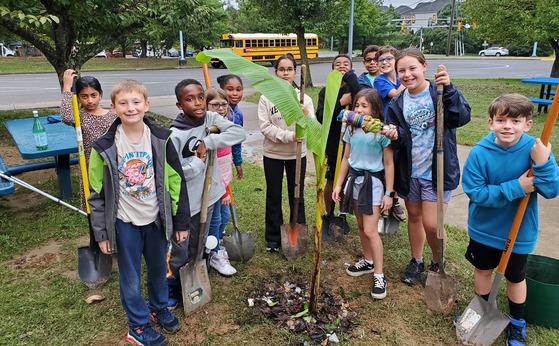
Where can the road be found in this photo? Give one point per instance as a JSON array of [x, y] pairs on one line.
[[23, 91]]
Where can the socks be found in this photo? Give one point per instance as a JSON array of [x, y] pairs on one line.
[[419, 260], [379, 276], [370, 262], [516, 310]]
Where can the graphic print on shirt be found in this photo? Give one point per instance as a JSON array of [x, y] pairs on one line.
[[136, 171], [419, 113]]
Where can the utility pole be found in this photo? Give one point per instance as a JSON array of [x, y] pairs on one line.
[[350, 36], [450, 28]]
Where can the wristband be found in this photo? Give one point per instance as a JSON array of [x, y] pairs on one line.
[[390, 194]]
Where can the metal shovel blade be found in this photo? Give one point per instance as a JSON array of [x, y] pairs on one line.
[[94, 267], [240, 246], [196, 287], [391, 224], [294, 240], [481, 323], [440, 292]]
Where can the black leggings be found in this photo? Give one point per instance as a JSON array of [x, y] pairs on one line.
[[273, 171]]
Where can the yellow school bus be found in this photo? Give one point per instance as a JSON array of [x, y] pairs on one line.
[[265, 47]]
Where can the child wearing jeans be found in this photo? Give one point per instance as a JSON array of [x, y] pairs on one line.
[[495, 179], [138, 202]]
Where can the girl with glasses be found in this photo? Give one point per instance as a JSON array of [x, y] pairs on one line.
[[280, 152]]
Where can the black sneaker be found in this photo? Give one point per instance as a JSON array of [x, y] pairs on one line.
[[166, 320], [273, 246], [361, 267], [146, 336], [379, 288], [434, 267], [412, 273]]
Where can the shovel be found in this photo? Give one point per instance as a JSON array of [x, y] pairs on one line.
[[196, 287], [482, 322], [240, 247], [336, 226], [94, 267], [294, 235], [440, 289]]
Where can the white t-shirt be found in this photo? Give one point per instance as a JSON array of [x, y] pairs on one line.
[[136, 179]]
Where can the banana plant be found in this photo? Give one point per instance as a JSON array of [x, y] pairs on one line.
[[284, 97]]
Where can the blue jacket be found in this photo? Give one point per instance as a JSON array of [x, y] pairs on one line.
[[364, 81], [491, 182], [237, 149], [456, 114]]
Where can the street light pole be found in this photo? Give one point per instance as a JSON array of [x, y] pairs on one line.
[[350, 36], [450, 28]]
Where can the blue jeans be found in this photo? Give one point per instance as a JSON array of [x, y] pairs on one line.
[[133, 242], [215, 223]]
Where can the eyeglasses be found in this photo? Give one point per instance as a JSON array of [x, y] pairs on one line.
[[387, 59], [370, 60], [218, 105], [289, 69]]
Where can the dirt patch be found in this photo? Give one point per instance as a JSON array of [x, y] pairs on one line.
[[44, 256]]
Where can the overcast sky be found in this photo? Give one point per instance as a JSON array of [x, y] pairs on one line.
[[410, 3]]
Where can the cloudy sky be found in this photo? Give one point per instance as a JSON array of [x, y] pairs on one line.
[[410, 3]]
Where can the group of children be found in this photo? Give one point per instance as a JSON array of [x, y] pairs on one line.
[[155, 176], [146, 186]]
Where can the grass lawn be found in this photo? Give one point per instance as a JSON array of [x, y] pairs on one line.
[[44, 301]]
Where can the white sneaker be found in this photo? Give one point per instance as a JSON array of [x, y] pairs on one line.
[[220, 262]]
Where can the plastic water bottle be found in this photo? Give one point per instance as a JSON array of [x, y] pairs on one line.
[[39, 133]]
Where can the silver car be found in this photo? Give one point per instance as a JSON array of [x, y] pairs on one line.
[[494, 51]]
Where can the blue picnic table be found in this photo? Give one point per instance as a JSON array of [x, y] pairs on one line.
[[61, 143], [546, 93]]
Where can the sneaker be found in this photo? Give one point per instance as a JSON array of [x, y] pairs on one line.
[[516, 332], [166, 320], [412, 273], [220, 262], [434, 267], [398, 212], [273, 246], [145, 336], [175, 294], [379, 288], [361, 267]]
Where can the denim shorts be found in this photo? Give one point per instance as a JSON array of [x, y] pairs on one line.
[[421, 190], [378, 190]]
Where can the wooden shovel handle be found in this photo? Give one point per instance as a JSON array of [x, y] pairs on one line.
[[440, 165], [509, 244], [303, 80], [206, 75]]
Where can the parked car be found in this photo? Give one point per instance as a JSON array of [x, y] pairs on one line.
[[101, 54], [189, 53], [5, 51], [173, 53], [117, 53], [494, 51]]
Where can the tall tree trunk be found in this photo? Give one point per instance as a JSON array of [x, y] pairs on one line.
[[300, 31]]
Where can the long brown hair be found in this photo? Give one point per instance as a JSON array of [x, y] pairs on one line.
[[374, 99]]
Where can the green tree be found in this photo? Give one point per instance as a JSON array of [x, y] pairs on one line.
[[295, 15], [69, 32], [518, 22]]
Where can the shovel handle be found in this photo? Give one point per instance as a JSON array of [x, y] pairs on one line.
[[440, 169], [303, 80], [297, 191], [206, 75], [509, 244]]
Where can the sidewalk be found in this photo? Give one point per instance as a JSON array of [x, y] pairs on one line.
[[457, 211]]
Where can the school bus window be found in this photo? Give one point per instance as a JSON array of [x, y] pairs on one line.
[[293, 42], [266, 42], [253, 43], [282, 43], [239, 43], [226, 44], [272, 43]]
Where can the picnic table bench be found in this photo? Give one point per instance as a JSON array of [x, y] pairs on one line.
[[546, 94], [61, 143], [6, 187]]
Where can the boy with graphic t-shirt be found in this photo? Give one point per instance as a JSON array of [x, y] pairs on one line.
[[138, 201]]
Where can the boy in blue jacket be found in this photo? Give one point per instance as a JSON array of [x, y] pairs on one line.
[[495, 179]]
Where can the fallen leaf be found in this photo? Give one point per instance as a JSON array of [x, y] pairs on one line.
[[94, 299]]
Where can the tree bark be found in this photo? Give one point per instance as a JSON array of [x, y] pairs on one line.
[[300, 31], [555, 66]]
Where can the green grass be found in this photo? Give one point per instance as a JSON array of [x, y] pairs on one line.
[[43, 301], [40, 64]]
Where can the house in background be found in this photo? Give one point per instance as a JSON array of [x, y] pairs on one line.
[[423, 15]]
